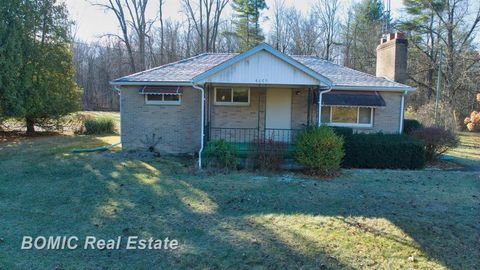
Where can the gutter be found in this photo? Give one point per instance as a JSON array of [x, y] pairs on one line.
[[402, 112], [202, 132], [319, 111], [117, 88]]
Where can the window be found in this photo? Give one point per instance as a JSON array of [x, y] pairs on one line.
[[162, 99], [232, 96], [347, 116]]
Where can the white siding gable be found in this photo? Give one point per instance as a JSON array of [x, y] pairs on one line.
[[262, 68]]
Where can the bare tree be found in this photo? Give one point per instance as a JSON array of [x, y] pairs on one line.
[[131, 15], [280, 36], [205, 17], [327, 12]]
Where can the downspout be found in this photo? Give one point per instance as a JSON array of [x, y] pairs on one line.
[[319, 110], [402, 110], [120, 104], [202, 132]]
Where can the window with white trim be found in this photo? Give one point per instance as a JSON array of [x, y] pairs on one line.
[[347, 116], [232, 96], [163, 99]]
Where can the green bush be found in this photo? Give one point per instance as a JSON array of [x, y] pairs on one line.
[[382, 151], [319, 150], [100, 125], [345, 132], [409, 125], [436, 141], [220, 154]]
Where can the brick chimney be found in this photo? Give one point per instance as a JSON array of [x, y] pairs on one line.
[[392, 57]]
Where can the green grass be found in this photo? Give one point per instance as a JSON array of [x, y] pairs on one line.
[[468, 151], [361, 220]]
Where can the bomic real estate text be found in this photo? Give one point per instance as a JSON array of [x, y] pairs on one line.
[[92, 242]]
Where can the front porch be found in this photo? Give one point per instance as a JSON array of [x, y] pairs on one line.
[[246, 116]]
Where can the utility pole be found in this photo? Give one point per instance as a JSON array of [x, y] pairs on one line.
[[437, 97]]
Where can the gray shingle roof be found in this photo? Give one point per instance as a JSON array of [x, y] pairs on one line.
[[180, 71], [343, 76], [185, 70]]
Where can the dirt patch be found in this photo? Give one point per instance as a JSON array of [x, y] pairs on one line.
[[15, 136]]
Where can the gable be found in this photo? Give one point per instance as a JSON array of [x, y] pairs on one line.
[[262, 67]]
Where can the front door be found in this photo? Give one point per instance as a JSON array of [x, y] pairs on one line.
[[278, 114]]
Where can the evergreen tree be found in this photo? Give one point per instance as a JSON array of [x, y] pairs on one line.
[[247, 23], [36, 67], [364, 35]]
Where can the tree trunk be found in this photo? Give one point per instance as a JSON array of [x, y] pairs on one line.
[[30, 125]]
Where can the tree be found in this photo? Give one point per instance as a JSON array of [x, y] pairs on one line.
[[280, 34], [327, 12], [45, 86], [131, 17], [247, 23], [365, 32], [12, 26], [206, 20], [449, 26]]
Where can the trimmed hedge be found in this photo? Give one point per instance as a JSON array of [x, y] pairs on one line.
[[383, 151], [410, 125], [100, 125], [345, 132]]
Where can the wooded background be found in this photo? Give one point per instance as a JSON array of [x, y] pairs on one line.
[[345, 34]]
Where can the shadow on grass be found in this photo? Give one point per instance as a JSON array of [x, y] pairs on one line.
[[233, 221]]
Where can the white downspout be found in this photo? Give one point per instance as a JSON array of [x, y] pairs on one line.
[[120, 103], [402, 109], [202, 135], [319, 111]]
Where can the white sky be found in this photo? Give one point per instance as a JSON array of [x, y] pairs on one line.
[[93, 21]]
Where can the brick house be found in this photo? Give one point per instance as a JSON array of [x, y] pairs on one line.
[[261, 93]]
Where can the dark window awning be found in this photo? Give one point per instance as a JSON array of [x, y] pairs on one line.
[[161, 90], [353, 98]]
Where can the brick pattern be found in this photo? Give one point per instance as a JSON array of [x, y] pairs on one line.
[[387, 119], [178, 126], [236, 116], [392, 60], [299, 108]]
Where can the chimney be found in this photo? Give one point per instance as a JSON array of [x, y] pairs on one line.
[[392, 57]]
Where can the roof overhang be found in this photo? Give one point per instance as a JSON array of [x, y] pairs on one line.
[[140, 83], [374, 88]]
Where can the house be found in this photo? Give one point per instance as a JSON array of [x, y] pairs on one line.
[[261, 93]]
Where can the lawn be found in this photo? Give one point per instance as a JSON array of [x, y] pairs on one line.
[[363, 219], [468, 151]]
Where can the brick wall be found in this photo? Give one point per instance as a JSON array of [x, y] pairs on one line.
[[177, 125], [387, 119]]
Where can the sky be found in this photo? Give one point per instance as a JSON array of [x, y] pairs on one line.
[[93, 22]]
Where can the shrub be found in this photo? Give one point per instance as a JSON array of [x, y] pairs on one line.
[[220, 154], [270, 154], [410, 125], [320, 150], [436, 141], [100, 125], [345, 132], [383, 151], [473, 121]]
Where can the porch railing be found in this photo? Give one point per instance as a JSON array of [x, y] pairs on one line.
[[247, 139]]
